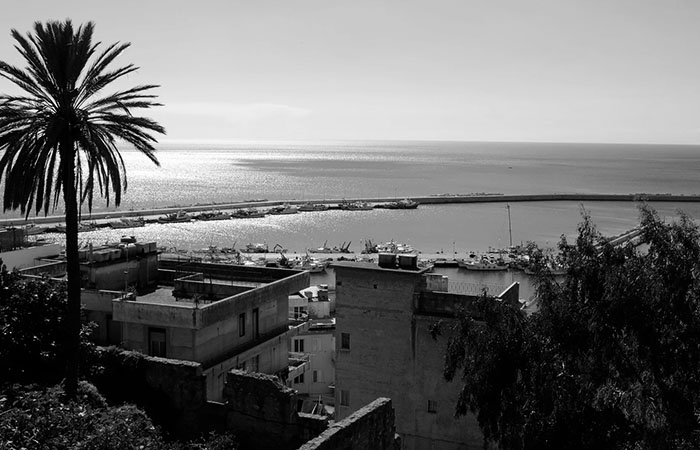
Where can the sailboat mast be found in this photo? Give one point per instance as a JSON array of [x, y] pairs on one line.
[[510, 230]]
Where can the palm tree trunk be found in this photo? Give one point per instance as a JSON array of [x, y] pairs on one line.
[[70, 197]]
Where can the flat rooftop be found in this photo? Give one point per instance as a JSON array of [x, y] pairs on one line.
[[163, 295]]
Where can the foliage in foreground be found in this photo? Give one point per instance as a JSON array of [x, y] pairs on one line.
[[610, 360], [32, 329], [43, 419]]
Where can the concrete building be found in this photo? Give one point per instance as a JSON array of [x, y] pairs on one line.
[[314, 379], [107, 272], [17, 252], [313, 350], [384, 349], [312, 302], [222, 316]]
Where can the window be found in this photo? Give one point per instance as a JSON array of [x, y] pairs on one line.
[[299, 379], [299, 345], [255, 363], [256, 324], [432, 406], [317, 376], [344, 398], [241, 324], [156, 342], [299, 312], [345, 341]]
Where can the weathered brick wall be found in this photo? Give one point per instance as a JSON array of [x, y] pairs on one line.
[[371, 427], [262, 413]]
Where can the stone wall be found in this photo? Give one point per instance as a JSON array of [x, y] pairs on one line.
[[371, 427], [257, 408], [172, 392], [262, 413]]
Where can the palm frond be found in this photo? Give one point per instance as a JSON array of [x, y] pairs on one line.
[[61, 117]]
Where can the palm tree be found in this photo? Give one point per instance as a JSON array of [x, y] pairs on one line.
[[59, 136]]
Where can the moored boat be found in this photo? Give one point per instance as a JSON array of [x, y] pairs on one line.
[[406, 203], [308, 206], [180, 216], [355, 206], [283, 209], [82, 226], [247, 213], [213, 215], [388, 247], [344, 248], [127, 222], [32, 229], [256, 248], [484, 264]]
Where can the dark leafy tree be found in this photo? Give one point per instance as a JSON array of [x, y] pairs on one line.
[[59, 137], [33, 315], [611, 359], [33, 418]]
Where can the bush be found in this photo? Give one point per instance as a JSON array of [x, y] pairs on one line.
[[42, 419], [33, 329]]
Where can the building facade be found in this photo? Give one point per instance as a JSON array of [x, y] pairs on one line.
[[384, 349], [216, 315]]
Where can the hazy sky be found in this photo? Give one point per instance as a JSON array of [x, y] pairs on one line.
[[517, 70]]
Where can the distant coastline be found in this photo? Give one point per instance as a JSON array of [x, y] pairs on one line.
[[481, 197]]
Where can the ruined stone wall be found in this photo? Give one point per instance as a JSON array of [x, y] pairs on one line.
[[262, 413], [369, 427], [172, 392], [257, 408]]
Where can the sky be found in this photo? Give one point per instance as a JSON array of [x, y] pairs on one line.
[[624, 71]]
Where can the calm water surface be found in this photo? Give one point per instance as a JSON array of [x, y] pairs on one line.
[[218, 173]]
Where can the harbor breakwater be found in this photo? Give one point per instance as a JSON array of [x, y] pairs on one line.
[[423, 200]]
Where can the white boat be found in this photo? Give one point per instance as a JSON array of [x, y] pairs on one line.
[[256, 248], [128, 222], [82, 226], [388, 247], [308, 206], [484, 264], [249, 213], [283, 209], [32, 229], [180, 216], [355, 206], [213, 215]]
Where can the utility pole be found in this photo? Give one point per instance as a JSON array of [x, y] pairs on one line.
[[510, 230]]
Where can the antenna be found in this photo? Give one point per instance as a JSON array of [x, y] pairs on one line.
[[510, 230]]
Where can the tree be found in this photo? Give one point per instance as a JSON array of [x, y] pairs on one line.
[[32, 320], [59, 137], [610, 360]]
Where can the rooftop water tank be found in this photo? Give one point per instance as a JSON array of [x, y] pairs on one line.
[[387, 260], [408, 262]]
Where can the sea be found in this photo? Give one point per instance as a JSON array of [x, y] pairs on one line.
[[196, 173]]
